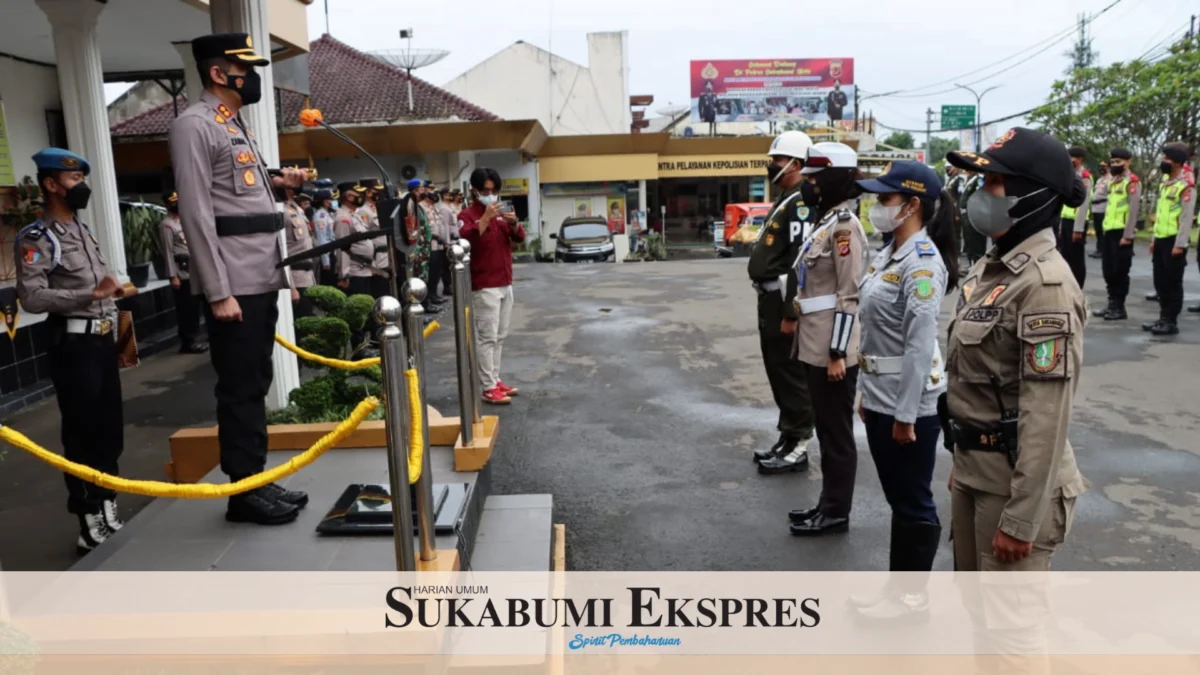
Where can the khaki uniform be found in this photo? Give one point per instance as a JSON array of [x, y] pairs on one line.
[[58, 265], [299, 239], [829, 269], [175, 248], [358, 259], [369, 214], [1021, 319]]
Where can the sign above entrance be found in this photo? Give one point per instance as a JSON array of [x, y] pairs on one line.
[[709, 166], [514, 187]]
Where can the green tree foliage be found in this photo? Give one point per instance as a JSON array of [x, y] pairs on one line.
[[901, 140], [936, 153]]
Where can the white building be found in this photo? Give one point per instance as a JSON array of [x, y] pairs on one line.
[[526, 82]]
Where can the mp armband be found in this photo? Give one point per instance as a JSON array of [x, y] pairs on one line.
[[843, 328]]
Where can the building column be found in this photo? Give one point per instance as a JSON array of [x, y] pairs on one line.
[[191, 77], [81, 85], [250, 16], [641, 195]]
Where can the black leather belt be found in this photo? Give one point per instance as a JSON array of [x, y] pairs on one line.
[[361, 259], [236, 226], [381, 248], [975, 439], [302, 267]]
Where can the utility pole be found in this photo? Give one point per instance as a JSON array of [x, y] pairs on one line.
[[327, 17], [929, 136], [858, 102]]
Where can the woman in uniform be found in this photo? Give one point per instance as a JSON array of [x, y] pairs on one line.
[[902, 369], [1014, 358], [299, 239], [828, 270]]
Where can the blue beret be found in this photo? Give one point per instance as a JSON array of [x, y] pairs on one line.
[[906, 177], [57, 159], [414, 184]]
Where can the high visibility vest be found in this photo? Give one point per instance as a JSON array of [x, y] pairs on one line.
[[1170, 207], [1069, 213], [1118, 204]]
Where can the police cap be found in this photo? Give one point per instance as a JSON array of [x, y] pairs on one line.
[[303, 197], [371, 184], [1177, 152], [414, 184], [348, 187], [905, 177], [1077, 151], [171, 199], [1026, 153], [1120, 153], [322, 195], [233, 47], [57, 159]]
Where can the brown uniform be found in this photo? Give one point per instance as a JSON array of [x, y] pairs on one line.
[[175, 248], [299, 239], [357, 260], [1020, 318]]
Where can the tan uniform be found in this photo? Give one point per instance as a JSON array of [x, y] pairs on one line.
[[357, 260], [369, 214], [833, 262], [175, 248], [58, 266], [299, 239], [226, 203], [1021, 319]]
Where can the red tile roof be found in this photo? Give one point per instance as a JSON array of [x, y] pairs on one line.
[[349, 86]]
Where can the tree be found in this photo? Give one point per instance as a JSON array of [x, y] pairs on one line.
[[938, 148], [901, 140]]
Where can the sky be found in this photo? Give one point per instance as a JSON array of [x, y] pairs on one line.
[[895, 45]]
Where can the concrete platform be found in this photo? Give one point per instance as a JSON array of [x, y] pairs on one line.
[[192, 535]]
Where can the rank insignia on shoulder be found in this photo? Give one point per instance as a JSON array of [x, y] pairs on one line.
[[31, 255], [773, 226], [220, 119], [232, 130], [891, 278], [843, 215], [224, 110], [870, 270], [925, 249]]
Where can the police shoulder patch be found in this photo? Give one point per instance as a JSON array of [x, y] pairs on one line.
[[926, 249], [923, 289]]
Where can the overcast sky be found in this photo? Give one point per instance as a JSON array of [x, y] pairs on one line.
[[896, 45]]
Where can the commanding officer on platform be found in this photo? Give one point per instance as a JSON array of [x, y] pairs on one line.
[[771, 272], [60, 271], [1015, 354], [177, 260], [228, 209], [1172, 236], [1120, 224]]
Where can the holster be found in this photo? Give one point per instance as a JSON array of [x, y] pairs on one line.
[[1002, 438]]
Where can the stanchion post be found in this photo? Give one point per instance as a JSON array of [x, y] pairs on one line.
[[473, 343], [388, 312], [466, 392], [415, 291]]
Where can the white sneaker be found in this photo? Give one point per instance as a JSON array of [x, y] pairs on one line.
[[111, 516], [93, 531]]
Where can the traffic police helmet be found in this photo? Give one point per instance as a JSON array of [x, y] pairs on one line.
[[793, 144], [829, 155]]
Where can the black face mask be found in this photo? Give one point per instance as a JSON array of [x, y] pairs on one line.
[[77, 197], [1117, 170], [810, 193], [773, 171], [250, 88], [1166, 168]]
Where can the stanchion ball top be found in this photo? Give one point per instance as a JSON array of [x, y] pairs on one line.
[[416, 290], [465, 246], [388, 310], [456, 252]]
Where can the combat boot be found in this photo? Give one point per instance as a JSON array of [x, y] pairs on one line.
[[1116, 313], [1101, 313], [1151, 326], [1152, 297], [791, 457], [280, 494], [1166, 328], [764, 455], [1194, 309], [260, 508]]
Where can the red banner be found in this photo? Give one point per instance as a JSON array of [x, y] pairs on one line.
[[820, 90], [757, 75]]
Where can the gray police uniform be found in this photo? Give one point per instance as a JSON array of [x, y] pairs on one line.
[[298, 232], [58, 266], [178, 261], [770, 270], [227, 205]]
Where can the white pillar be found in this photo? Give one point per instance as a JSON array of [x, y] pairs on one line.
[[81, 84], [250, 16], [191, 77], [641, 195]]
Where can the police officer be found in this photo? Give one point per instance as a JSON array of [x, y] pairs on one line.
[[323, 228], [227, 205], [903, 373], [177, 258], [1015, 354], [369, 213], [1173, 218], [61, 272], [770, 270], [355, 262], [1120, 223], [828, 270], [298, 231], [1099, 207], [974, 244], [1073, 227]]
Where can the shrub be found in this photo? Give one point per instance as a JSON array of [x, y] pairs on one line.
[[356, 310]]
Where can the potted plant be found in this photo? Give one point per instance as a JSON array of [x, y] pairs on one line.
[[140, 226], [22, 206]]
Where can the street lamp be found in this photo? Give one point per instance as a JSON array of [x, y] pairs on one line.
[[978, 109]]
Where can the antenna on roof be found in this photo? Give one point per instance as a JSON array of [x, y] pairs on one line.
[[673, 110], [409, 59]]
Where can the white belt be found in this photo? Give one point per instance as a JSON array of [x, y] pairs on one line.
[[821, 303], [90, 326], [881, 365], [767, 286]]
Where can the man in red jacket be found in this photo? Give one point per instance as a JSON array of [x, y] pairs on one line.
[[491, 231]]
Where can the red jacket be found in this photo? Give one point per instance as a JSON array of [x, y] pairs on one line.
[[491, 251]]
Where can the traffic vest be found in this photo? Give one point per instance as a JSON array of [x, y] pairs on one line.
[[1068, 212], [1170, 207], [1118, 205]]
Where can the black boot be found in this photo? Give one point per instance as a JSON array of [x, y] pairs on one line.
[[1166, 328], [1152, 297], [260, 508], [801, 515], [279, 494], [791, 457], [764, 455], [1194, 309], [1101, 313], [194, 348], [1150, 326], [820, 524], [914, 546], [1116, 313], [1096, 254]]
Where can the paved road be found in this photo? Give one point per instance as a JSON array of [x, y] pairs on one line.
[[644, 397]]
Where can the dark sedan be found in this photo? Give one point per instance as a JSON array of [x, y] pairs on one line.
[[584, 239]]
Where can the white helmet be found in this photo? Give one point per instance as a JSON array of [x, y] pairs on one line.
[[794, 144], [829, 155]]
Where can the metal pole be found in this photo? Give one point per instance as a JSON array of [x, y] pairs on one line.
[[388, 312], [473, 342], [929, 137], [466, 393], [415, 291]]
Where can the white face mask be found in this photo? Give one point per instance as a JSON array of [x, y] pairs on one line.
[[886, 218], [488, 200]]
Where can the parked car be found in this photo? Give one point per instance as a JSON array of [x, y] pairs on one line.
[[584, 239]]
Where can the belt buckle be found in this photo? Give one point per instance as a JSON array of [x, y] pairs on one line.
[[105, 326], [862, 362]]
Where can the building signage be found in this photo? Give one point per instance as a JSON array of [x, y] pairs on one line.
[[700, 166], [819, 90], [512, 187], [7, 175]]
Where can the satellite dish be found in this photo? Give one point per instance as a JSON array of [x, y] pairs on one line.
[[409, 59], [672, 110]]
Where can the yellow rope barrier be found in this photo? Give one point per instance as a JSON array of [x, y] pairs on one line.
[[151, 488], [416, 419], [342, 364]]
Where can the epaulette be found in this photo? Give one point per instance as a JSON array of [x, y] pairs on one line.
[[38, 230], [33, 231], [926, 249], [1087, 174], [843, 215]]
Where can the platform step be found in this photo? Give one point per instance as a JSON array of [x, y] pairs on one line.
[[515, 534]]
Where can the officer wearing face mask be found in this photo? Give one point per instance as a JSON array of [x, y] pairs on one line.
[[1014, 360], [227, 203], [770, 269], [1173, 217], [1120, 224], [60, 271]]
